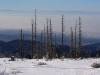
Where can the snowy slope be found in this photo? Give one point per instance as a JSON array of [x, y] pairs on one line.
[[54, 67]]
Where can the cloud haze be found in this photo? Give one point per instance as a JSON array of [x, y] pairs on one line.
[[90, 23]]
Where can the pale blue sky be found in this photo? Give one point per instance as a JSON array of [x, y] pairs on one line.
[[88, 5]]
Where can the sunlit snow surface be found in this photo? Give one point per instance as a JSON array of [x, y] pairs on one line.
[[52, 67]]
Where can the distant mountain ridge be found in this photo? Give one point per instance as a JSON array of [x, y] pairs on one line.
[[9, 42], [9, 35], [13, 47]]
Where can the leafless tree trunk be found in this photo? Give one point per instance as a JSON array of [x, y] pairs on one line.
[[80, 38], [62, 40], [55, 44], [72, 44], [44, 41], [50, 41], [21, 44], [55, 40], [47, 40], [75, 39], [32, 42], [35, 36], [41, 46]]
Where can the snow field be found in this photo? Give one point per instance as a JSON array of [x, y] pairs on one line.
[[53, 67]]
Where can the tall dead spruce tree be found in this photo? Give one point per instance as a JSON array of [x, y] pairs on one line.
[[47, 40], [32, 41], [50, 49], [62, 35], [76, 48], [55, 42], [49, 37], [35, 36], [62, 40], [53, 53], [41, 46], [21, 44], [44, 41], [72, 52], [80, 39], [75, 37], [34, 50]]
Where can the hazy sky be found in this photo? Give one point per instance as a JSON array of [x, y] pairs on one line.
[[16, 14], [51, 4]]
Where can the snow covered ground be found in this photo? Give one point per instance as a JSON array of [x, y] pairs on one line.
[[54, 67]]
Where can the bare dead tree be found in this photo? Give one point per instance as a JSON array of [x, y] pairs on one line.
[[50, 33], [44, 41], [47, 39], [21, 48], [62, 40], [51, 43], [41, 46], [55, 44], [80, 37], [55, 40], [23, 51], [32, 41], [21, 43], [75, 38], [72, 43], [35, 25], [35, 34]]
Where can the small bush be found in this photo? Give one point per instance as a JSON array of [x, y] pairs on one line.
[[42, 63], [96, 65], [12, 58]]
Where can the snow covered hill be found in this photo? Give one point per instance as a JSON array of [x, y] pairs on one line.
[[53, 67]]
